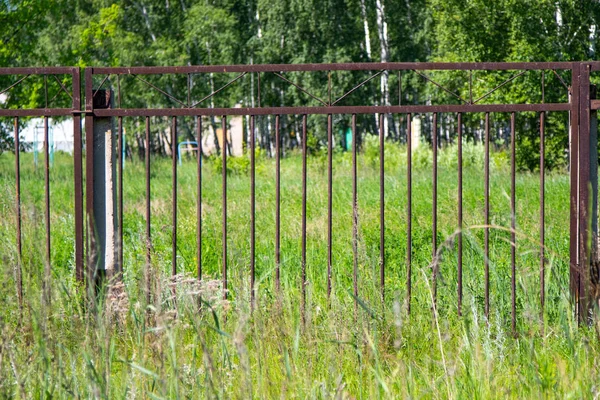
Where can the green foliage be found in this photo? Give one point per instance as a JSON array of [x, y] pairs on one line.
[[191, 32], [473, 156]]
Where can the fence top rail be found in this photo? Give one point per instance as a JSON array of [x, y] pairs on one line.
[[38, 70], [390, 66], [338, 110]]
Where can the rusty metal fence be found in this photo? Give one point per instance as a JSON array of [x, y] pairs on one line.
[[100, 104]]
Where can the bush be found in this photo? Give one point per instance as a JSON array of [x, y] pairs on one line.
[[422, 157]]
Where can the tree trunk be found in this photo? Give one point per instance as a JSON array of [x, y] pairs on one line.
[[385, 55]]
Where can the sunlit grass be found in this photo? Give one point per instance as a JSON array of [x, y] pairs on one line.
[[181, 348]]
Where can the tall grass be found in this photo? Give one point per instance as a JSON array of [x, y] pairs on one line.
[[188, 343]]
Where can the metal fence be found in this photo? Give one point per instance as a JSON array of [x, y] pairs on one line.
[[100, 105]]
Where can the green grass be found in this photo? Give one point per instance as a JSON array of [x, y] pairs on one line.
[[177, 349]]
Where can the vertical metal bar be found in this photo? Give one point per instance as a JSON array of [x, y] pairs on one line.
[[409, 211], [513, 227], [252, 211], [574, 184], [487, 215], [174, 196], [199, 199], [584, 191], [329, 202], [19, 274], [460, 215], [224, 179], [304, 151], [434, 145], [355, 215], [542, 216], [89, 174], [148, 202], [381, 207], [78, 176], [47, 271], [120, 194], [277, 205]]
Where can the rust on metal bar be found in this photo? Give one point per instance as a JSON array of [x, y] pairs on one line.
[[486, 254], [409, 211], [252, 211], [584, 192], [224, 180], [19, 275], [36, 112], [542, 217], [89, 182], [434, 229], [277, 204], [513, 225], [119, 269], [47, 268], [199, 198], [574, 183], [77, 176], [169, 112], [37, 70], [460, 215], [329, 202], [174, 196], [304, 177], [354, 216], [148, 209], [381, 208], [390, 66]]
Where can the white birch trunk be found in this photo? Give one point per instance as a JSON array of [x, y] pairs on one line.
[[384, 54]]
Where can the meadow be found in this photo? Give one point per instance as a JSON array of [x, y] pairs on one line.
[[188, 343]]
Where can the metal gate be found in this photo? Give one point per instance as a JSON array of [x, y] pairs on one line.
[[102, 105]]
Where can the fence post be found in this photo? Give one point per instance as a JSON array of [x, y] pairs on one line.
[[592, 274], [101, 186], [584, 280]]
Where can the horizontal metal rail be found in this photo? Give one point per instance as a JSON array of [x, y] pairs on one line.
[[476, 108], [390, 66]]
